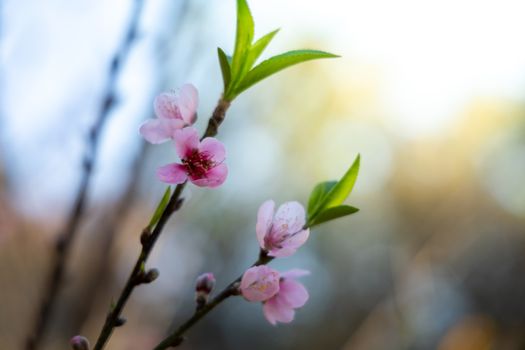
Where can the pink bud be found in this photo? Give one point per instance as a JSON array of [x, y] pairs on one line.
[[205, 283], [79, 342], [203, 287]]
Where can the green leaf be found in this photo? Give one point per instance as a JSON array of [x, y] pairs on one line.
[[343, 188], [258, 47], [160, 208], [277, 63], [318, 195], [332, 214], [225, 63], [243, 39]]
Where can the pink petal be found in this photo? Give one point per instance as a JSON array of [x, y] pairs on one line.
[[188, 101], [259, 283], [172, 173], [276, 311], [290, 245], [213, 178], [282, 252], [293, 293], [214, 148], [249, 277], [186, 140], [297, 240], [166, 105], [264, 221], [159, 130], [295, 273], [290, 217]]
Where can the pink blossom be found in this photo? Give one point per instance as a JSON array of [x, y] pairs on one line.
[[282, 234], [174, 109], [292, 295], [259, 283], [202, 161]]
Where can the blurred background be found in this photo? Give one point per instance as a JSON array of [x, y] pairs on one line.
[[431, 93]]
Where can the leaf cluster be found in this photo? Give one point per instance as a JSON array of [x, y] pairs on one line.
[[239, 71]]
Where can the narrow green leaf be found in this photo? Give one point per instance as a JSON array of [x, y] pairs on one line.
[[318, 195], [225, 62], [332, 214], [243, 38], [277, 63], [160, 208], [343, 188], [258, 47]]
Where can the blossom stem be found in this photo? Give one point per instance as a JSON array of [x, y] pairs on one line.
[[177, 337], [113, 318], [217, 118]]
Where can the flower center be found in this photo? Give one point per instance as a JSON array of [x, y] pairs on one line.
[[197, 164], [262, 285]]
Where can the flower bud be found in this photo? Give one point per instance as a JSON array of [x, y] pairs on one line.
[[120, 321], [203, 287], [79, 342], [151, 275]]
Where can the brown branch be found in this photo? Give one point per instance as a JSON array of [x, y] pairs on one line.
[[66, 237], [216, 118], [177, 337], [113, 319]]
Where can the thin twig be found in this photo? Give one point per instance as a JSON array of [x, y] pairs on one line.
[[113, 319], [177, 337], [66, 237]]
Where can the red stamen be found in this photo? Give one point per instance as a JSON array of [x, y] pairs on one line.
[[198, 164]]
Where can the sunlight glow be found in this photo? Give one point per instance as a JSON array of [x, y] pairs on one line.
[[435, 55]]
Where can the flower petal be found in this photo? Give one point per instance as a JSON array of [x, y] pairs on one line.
[[264, 220], [213, 178], [186, 140], [276, 311], [159, 130], [166, 105], [188, 102], [259, 283], [172, 173], [293, 293], [290, 217], [282, 252], [295, 273], [249, 277], [297, 239], [214, 148]]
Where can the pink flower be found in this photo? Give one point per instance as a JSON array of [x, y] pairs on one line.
[[259, 283], [292, 295], [174, 109], [202, 161], [281, 235]]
